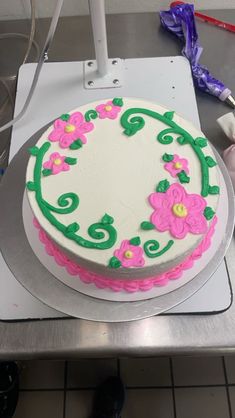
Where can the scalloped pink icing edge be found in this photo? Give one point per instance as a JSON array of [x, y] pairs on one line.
[[118, 285]]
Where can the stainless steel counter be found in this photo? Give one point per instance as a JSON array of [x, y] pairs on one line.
[[130, 35]]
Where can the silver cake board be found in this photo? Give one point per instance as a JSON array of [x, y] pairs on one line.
[[164, 80]]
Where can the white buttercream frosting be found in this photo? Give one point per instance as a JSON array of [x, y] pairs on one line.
[[116, 174]]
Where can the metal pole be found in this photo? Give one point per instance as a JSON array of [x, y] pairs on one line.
[[97, 11]]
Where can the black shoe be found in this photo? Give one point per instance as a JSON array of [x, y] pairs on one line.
[[109, 399], [9, 389]]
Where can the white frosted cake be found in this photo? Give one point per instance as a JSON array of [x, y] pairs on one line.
[[123, 191]]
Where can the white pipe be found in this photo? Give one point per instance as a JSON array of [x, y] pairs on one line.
[[97, 11], [43, 57]]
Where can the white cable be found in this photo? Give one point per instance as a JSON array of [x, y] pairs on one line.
[[30, 43], [32, 32], [30, 39], [43, 57], [9, 96]]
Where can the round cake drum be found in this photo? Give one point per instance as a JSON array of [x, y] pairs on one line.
[[125, 202]]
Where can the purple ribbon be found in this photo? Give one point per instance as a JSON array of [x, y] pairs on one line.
[[180, 21]]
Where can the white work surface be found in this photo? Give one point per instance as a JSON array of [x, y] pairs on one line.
[[164, 80]]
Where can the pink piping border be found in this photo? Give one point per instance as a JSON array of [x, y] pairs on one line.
[[117, 285]]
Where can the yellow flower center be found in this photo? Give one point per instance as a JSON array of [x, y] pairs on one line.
[[57, 161], [108, 108], [128, 254], [69, 128], [177, 165], [179, 210]]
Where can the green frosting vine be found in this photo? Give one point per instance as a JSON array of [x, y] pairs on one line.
[[151, 248], [67, 203], [90, 114], [132, 124]]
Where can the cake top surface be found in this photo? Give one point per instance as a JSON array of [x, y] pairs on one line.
[[123, 183]]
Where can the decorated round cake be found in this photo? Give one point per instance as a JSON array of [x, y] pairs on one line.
[[123, 191]]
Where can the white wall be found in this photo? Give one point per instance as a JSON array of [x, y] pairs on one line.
[[20, 9]]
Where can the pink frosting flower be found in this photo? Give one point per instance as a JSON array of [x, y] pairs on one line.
[[130, 255], [108, 110], [66, 132], [178, 212], [177, 165], [56, 163]]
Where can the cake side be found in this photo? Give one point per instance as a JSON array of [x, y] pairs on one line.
[[127, 189], [117, 285]]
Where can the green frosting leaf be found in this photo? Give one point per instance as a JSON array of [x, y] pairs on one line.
[[135, 241], [33, 150], [181, 140], [147, 226], [183, 178], [46, 172], [114, 263], [201, 142], [117, 101], [169, 115], [70, 161], [213, 190], [74, 227], [107, 219], [76, 144], [208, 213], [167, 157], [31, 186], [162, 186], [65, 117], [210, 161]]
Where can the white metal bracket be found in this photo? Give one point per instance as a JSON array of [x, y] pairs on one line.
[[114, 77]]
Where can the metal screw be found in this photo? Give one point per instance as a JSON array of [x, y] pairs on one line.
[[90, 64], [90, 83], [114, 62], [116, 81]]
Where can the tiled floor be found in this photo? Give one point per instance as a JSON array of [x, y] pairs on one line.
[[161, 387]]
